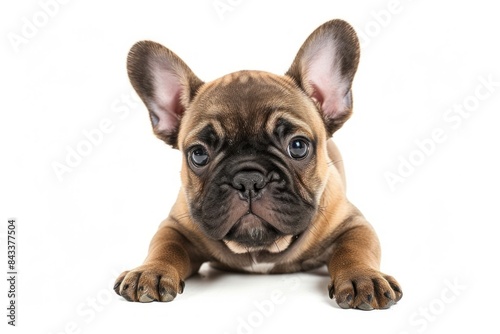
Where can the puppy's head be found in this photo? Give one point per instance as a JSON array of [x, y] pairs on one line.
[[254, 144]]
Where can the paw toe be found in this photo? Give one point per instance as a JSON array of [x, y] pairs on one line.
[[365, 307], [395, 287], [167, 296], [145, 298], [344, 300]]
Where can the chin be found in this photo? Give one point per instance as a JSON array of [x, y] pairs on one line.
[[252, 233]]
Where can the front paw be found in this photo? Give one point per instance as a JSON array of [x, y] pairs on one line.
[[364, 289], [149, 282]]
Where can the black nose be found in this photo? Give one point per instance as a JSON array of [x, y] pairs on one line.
[[249, 184]]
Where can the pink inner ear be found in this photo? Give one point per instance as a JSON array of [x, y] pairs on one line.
[[316, 94], [326, 83], [167, 106]]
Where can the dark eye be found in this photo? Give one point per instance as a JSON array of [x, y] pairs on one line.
[[298, 148], [199, 156]]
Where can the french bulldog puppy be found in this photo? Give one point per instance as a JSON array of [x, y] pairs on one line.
[[263, 186]]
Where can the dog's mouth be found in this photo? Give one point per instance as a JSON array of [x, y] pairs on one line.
[[279, 245], [253, 234]]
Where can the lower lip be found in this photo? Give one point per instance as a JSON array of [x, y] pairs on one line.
[[278, 246]]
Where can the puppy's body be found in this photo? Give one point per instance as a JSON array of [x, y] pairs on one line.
[[263, 187]]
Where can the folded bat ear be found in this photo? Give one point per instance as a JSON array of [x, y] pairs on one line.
[[324, 68], [165, 84]]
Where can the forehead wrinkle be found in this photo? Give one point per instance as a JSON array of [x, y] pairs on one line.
[[271, 122], [192, 135], [289, 117], [219, 130]]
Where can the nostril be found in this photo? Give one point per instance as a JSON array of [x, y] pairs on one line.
[[260, 183], [238, 185]]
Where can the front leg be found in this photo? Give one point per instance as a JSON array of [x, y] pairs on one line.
[[170, 261], [356, 281]]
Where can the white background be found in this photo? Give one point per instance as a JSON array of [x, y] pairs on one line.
[[438, 228]]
